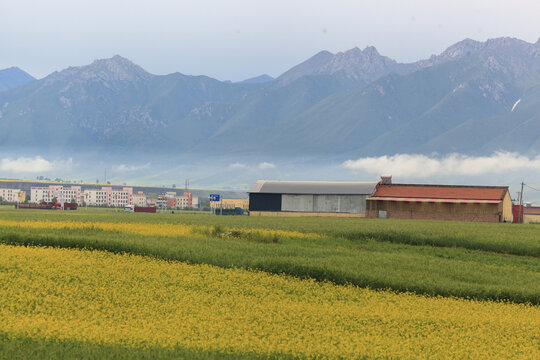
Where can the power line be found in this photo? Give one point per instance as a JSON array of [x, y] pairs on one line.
[[530, 187]]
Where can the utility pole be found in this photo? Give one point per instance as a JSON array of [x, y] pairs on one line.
[[521, 203]]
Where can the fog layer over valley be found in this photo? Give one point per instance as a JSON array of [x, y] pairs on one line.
[[240, 172]]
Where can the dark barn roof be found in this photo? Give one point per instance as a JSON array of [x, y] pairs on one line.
[[314, 187]]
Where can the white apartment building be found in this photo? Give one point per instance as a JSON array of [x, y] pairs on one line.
[[106, 196], [12, 195], [62, 195], [39, 194], [121, 198], [96, 197], [139, 199], [182, 202], [187, 201]]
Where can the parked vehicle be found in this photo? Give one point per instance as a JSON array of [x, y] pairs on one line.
[[42, 206], [70, 206], [148, 209]]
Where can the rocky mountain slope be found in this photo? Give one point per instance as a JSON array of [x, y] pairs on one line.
[[475, 97]]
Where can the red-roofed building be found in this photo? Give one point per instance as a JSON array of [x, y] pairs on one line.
[[440, 202], [531, 214]]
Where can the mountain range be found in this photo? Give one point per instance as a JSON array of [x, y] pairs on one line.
[[13, 77], [473, 98]]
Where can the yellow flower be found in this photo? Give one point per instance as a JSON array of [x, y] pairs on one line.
[[153, 229], [136, 301]]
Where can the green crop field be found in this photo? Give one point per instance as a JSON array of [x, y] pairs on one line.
[[433, 259], [484, 261]]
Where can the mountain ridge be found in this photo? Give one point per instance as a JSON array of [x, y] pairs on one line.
[[258, 79], [356, 101], [13, 77]]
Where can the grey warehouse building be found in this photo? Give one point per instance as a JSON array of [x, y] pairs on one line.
[[310, 198]]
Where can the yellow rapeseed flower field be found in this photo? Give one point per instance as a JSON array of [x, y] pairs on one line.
[[148, 229], [141, 302]]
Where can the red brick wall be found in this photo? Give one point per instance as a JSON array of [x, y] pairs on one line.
[[434, 211]]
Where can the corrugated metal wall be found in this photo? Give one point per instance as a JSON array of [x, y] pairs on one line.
[[354, 204], [297, 202]]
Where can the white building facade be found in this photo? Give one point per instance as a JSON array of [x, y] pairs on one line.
[[182, 202], [107, 196], [139, 199], [12, 195], [62, 195]]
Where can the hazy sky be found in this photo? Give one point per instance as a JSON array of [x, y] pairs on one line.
[[237, 39]]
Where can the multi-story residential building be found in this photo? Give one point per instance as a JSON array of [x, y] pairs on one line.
[[39, 194], [62, 195], [185, 201], [171, 203], [106, 196], [71, 195], [121, 198], [152, 198], [162, 201], [170, 194], [182, 202], [12, 195], [173, 200], [96, 197], [139, 199]]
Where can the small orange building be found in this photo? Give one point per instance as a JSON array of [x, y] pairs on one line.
[[440, 202], [531, 214], [230, 204]]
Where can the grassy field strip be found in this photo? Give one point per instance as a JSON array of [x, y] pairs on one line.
[[522, 239], [379, 265], [157, 229], [11, 348], [139, 302]]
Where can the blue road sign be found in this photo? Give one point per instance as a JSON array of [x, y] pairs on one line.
[[214, 197]]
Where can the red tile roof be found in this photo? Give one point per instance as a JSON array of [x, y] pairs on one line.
[[442, 191], [531, 210]]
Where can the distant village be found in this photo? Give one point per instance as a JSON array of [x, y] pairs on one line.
[[358, 199], [107, 196]]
